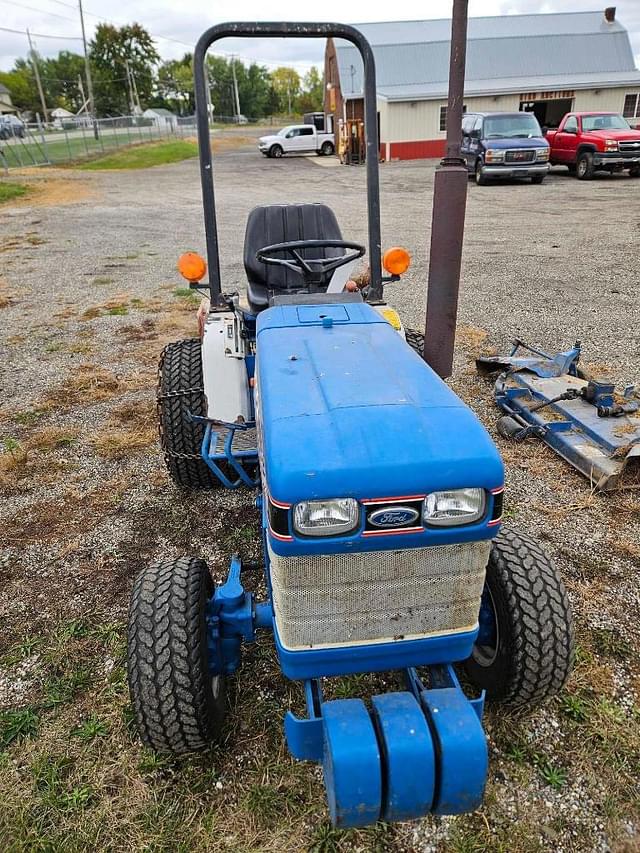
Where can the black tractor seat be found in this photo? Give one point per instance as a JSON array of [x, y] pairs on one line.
[[281, 223]]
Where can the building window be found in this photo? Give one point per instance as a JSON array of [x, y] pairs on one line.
[[631, 107], [443, 116]]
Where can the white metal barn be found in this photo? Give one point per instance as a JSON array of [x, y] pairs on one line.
[[549, 64]]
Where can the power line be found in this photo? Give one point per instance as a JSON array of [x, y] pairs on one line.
[[40, 35], [39, 11]]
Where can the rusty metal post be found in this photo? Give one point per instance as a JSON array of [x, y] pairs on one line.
[[447, 224]]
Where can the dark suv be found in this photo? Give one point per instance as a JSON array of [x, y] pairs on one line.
[[10, 126], [504, 145]]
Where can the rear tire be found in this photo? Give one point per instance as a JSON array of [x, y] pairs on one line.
[[179, 706], [584, 166], [530, 656], [572, 168], [326, 149], [415, 340], [180, 392], [276, 151]]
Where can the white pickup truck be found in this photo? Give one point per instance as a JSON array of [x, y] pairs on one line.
[[296, 139]]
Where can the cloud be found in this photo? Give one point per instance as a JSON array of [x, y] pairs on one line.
[[177, 26]]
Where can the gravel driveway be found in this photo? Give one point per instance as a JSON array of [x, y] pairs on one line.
[[88, 297]]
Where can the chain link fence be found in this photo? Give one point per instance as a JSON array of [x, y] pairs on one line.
[[73, 140]]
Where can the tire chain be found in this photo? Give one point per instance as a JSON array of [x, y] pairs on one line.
[[181, 364]]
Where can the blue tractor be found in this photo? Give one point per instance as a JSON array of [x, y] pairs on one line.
[[381, 504]]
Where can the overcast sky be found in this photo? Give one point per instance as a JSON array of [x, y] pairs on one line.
[[177, 25]]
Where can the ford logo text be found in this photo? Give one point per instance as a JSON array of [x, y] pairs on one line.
[[396, 516]]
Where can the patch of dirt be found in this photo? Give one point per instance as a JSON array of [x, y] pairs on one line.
[[57, 189]]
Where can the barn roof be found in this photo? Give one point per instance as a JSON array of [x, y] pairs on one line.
[[512, 53]]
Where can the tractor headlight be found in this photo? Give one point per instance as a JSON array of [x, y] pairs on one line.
[[458, 506], [326, 518], [494, 155]]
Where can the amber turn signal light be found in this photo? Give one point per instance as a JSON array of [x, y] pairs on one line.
[[396, 260], [192, 267]]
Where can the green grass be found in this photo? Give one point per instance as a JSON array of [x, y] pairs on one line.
[[9, 191], [58, 149], [144, 156]]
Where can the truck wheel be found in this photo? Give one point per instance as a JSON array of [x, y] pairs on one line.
[[180, 392], [538, 179], [584, 166], [524, 651], [179, 706], [481, 181], [634, 172], [276, 151], [326, 149]]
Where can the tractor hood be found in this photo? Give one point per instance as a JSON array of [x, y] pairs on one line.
[[346, 409]]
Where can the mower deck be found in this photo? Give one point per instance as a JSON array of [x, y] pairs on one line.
[[582, 419]]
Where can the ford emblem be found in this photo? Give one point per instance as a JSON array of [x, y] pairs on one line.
[[393, 516]]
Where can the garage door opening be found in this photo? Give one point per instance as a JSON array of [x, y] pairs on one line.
[[548, 112]]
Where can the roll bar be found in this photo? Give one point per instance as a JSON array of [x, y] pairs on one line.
[[287, 30]]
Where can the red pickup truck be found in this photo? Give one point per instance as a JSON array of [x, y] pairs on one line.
[[588, 142]]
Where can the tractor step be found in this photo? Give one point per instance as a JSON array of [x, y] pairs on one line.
[[244, 441], [231, 452]]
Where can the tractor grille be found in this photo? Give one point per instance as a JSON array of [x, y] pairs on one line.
[[520, 155], [376, 596]]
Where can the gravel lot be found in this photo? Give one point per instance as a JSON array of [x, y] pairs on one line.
[[88, 297]]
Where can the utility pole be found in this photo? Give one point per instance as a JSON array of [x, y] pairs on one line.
[[82, 94], [207, 72], [447, 224], [87, 67], [289, 95], [235, 85], [36, 71], [132, 104]]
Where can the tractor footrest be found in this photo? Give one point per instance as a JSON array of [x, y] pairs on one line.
[[231, 452], [243, 441]]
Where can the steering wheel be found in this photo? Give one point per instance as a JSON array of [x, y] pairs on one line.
[[314, 271]]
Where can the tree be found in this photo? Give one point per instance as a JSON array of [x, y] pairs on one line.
[[286, 84], [311, 99], [116, 53], [22, 86], [60, 80], [174, 85]]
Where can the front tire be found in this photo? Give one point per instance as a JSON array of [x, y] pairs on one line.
[[584, 166], [179, 706], [481, 180], [634, 172], [528, 656], [538, 179], [180, 393], [276, 151]]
